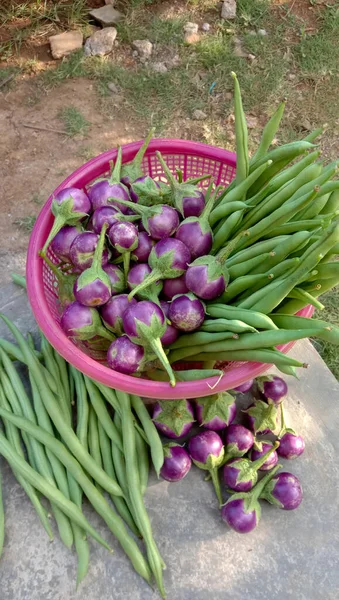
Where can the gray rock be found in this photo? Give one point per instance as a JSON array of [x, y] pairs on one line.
[[65, 43], [135, 53], [101, 42], [229, 10], [113, 87], [191, 27], [199, 115], [143, 47], [106, 15], [205, 27], [159, 67], [262, 32], [251, 56]]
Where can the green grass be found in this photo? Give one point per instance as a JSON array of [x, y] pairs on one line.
[[318, 53], [74, 122], [330, 313], [26, 223], [156, 30]]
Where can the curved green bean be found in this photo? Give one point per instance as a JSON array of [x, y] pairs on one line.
[[296, 226], [103, 414], [269, 132], [287, 152], [264, 356], [241, 269], [241, 284], [156, 448], [226, 230], [224, 210], [93, 441], [255, 319], [257, 249], [234, 192], [143, 461], [199, 337], [241, 135], [218, 325]]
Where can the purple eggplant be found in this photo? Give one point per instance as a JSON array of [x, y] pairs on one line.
[[69, 207], [132, 170], [292, 445], [177, 462], [113, 310], [83, 323], [82, 250], [160, 221], [273, 388], [93, 286], [137, 275], [124, 238], [206, 278], [244, 387], [173, 287], [242, 511], [173, 418], [216, 411], [171, 333], [207, 452], [104, 190], [146, 191], [262, 417], [61, 243], [241, 474], [272, 459], [145, 324], [126, 357], [168, 259], [238, 441], [187, 197], [144, 247], [283, 490], [102, 215], [186, 312], [116, 278]]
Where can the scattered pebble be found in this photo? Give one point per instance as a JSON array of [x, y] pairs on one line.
[[229, 10], [191, 38], [159, 67], [113, 87], [205, 27], [106, 15], [228, 95], [199, 115], [65, 43], [101, 42], [251, 56], [291, 76], [262, 32], [135, 53], [191, 27], [143, 47]]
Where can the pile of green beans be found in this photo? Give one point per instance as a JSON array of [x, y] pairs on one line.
[[71, 438]]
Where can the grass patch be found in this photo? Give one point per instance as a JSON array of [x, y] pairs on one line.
[[156, 30], [74, 122], [329, 352], [318, 54], [26, 223]]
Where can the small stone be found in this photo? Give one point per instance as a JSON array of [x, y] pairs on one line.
[[106, 15], [238, 49], [228, 96], [113, 87], [251, 57], [229, 10], [135, 53], [191, 38], [199, 115], [262, 32], [159, 67], [101, 42], [143, 48], [205, 27], [65, 43], [191, 27], [291, 76]]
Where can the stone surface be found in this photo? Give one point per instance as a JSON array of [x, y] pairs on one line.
[[63, 44], [159, 67], [113, 87], [191, 27], [143, 48], [101, 42], [205, 27], [290, 555], [238, 49], [106, 15], [262, 32], [199, 115], [229, 10]]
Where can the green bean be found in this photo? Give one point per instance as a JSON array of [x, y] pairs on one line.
[[295, 226], [330, 186], [19, 280], [256, 250], [232, 193], [53, 409], [143, 462], [315, 209], [14, 439], [64, 381], [187, 375], [217, 325], [279, 216], [287, 152], [327, 331], [326, 271], [301, 294], [278, 272], [288, 370], [224, 210], [226, 230], [241, 135], [269, 132], [98, 501], [102, 413], [2, 519], [255, 319], [82, 407], [264, 356], [157, 452], [35, 479], [30, 341], [241, 269], [53, 368], [256, 296], [281, 251], [332, 203], [119, 503], [199, 338], [241, 284], [128, 437], [93, 441], [313, 135]]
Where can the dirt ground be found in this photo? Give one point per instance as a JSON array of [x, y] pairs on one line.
[[34, 162]]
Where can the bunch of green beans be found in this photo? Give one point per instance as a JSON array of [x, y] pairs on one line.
[[78, 442]]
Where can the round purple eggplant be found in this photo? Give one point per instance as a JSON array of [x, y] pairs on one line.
[[144, 247], [283, 490], [216, 411], [126, 357], [238, 441], [291, 445], [186, 312], [82, 250], [193, 206], [116, 278], [241, 474], [198, 281], [124, 238], [177, 462], [262, 417], [137, 275], [272, 459], [174, 287], [93, 286], [144, 186], [83, 323], [244, 387], [173, 418], [61, 243], [102, 215], [207, 452], [113, 311], [273, 388], [160, 221]]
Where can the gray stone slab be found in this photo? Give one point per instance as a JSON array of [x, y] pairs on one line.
[[290, 555]]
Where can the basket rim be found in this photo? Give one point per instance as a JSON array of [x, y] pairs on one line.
[[68, 350]]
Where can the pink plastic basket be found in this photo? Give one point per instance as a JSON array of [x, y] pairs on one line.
[[194, 159]]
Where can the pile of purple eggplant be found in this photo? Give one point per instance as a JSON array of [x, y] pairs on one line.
[[232, 452]]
